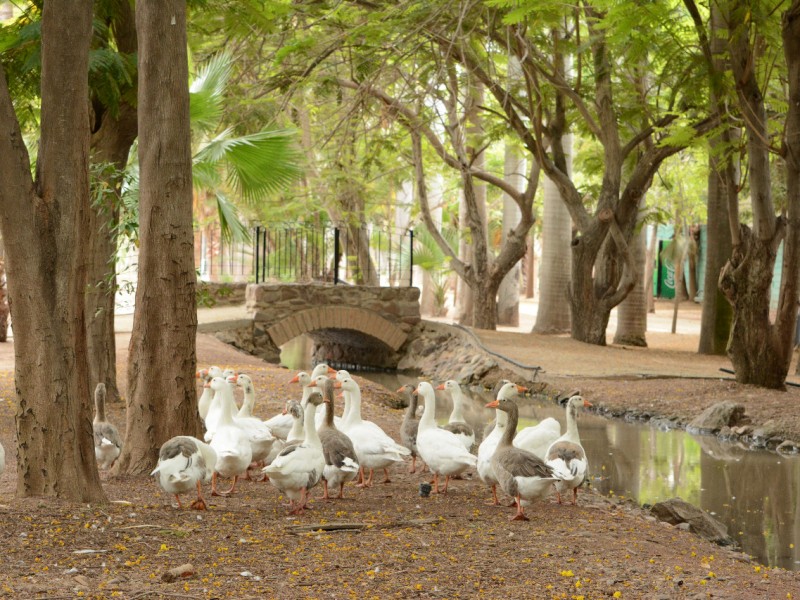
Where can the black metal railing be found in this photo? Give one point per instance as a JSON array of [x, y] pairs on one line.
[[366, 255]]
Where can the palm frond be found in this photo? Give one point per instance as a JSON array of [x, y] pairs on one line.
[[207, 92], [231, 226], [257, 164]]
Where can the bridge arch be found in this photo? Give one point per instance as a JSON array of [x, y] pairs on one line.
[[355, 318]]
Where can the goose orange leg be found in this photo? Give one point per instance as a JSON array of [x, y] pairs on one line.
[[325, 490], [520, 516], [341, 490], [495, 501], [230, 491], [435, 483], [200, 503], [413, 467], [385, 476], [178, 500]]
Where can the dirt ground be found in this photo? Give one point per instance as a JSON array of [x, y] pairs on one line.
[[402, 545]]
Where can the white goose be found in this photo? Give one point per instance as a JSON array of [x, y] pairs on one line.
[[230, 442], [185, 462], [298, 468], [566, 455], [281, 424], [491, 441], [375, 449], [107, 441], [457, 424], [205, 376], [442, 450]]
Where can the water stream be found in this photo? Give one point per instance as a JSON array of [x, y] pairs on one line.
[[756, 494]]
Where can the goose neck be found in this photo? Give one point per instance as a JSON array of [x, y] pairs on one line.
[[354, 410], [511, 425], [311, 435], [428, 419], [456, 415]]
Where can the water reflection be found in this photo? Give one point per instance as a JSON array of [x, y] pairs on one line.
[[756, 494]]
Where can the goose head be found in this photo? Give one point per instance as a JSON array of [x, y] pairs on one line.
[[219, 384], [244, 382], [294, 408], [451, 386], [575, 403], [342, 374], [315, 399], [322, 369], [505, 396], [425, 390], [346, 384], [302, 378]]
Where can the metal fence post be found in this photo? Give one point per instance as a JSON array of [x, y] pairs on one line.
[[257, 242], [410, 258], [336, 255]]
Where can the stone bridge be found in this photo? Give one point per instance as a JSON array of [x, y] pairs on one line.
[[349, 324]]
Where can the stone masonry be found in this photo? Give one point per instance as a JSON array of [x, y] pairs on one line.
[[383, 316]]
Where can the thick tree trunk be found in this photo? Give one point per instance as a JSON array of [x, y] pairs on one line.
[[589, 321], [632, 312], [760, 350], [44, 228], [553, 314], [717, 314], [162, 401], [508, 293], [110, 144], [754, 350]]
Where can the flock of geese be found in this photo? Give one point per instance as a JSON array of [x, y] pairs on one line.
[[304, 446]]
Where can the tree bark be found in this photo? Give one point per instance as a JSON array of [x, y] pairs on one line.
[[162, 400], [555, 266], [508, 294], [111, 142], [44, 225], [760, 350], [632, 312]]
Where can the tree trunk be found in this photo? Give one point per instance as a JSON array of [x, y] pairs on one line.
[[44, 225], [508, 293], [530, 271], [553, 314], [760, 350], [162, 401], [632, 312], [717, 314], [746, 280], [110, 145], [648, 272]]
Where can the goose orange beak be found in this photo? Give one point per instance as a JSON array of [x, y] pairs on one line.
[[295, 379], [331, 371], [493, 404], [586, 404], [416, 390], [521, 389], [337, 385], [440, 386], [400, 389]]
